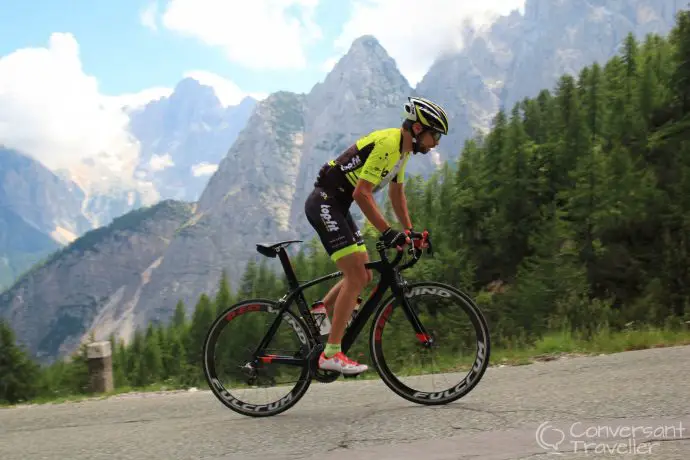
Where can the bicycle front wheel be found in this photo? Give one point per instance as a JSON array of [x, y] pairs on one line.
[[436, 371], [250, 384]]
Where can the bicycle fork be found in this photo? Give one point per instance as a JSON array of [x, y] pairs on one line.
[[399, 291]]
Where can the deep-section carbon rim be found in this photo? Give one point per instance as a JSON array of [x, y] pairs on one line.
[[289, 322], [403, 329]]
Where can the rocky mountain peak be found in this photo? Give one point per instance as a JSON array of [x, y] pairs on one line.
[[367, 46], [367, 81], [184, 136], [365, 64], [189, 91]]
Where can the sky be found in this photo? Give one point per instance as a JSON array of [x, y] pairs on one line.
[[67, 67]]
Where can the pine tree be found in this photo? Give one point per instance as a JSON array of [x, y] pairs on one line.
[[151, 369], [18, 373], [680, 78], [223, 298], [179, 318], [201, 322]]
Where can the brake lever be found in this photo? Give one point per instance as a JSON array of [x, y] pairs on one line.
[[427, 238], [414, 252]]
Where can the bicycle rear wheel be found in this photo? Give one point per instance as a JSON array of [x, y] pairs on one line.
[[238, 377], [459, 351]]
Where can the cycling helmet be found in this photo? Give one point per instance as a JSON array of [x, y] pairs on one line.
[[429, 114]]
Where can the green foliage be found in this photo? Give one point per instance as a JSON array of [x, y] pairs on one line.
[[18, 374]]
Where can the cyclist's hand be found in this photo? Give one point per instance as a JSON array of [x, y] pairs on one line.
[[392, 238]]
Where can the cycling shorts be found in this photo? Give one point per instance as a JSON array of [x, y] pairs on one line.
[[334, 224]]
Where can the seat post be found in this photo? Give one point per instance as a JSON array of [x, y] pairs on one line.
[[288, 268]]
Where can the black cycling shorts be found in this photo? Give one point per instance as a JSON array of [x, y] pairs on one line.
[[334, 225]]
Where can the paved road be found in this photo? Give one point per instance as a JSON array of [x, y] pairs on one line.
[[598, 400]]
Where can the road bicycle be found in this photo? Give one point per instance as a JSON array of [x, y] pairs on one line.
[[410, 339]]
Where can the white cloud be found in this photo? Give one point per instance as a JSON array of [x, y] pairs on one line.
[[51, 110], [138, 99], [227, 91], [148, 16], [203, 169], [258, 34], [259, 96], [414, 35], [160, 162]]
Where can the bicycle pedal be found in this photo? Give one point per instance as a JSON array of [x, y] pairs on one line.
[[351, 376]]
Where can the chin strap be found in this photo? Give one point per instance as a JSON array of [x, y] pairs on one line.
[[414, 143]]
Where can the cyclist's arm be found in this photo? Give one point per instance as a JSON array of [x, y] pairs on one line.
[[396, 193], [364, 197]]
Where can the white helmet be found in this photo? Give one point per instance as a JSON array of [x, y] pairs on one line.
[[427, 113]]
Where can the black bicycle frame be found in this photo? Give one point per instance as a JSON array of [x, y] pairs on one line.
[[390, 278]]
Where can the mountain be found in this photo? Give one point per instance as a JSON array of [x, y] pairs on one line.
[[43, 199], [39, 212], [519, 55], [185, 136], [21, 246], [82, 287], [257, 192], [254, 195]]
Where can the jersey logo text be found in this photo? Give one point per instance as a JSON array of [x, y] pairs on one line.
[[328, 222], [356, 161]]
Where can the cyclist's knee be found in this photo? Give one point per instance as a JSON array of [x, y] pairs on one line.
[[359, 278], [363, 276], [369, 276], [353, 270]]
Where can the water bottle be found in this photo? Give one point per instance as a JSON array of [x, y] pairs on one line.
[[320, 314], [355, 311]]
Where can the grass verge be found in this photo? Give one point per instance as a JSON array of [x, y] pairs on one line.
[[559, 344], [552, 346]]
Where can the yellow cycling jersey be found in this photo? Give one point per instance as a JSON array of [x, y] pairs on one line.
[[376, 158]]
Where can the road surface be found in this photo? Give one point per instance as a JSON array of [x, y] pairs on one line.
[[636, 404]]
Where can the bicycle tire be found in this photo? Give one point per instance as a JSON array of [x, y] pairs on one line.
[[222, 394], [482, 355]]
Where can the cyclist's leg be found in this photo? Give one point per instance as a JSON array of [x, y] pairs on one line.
[[330, 223], [350, 260], [354, 280], [329, 298], [351, 263], [331, 238]]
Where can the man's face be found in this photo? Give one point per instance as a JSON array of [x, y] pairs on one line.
[[428, 140]]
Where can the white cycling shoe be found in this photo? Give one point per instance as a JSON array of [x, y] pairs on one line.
[[341, 363]]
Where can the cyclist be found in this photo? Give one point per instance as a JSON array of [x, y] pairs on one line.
[[369, 164]]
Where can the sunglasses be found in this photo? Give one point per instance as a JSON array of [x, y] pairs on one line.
[[436, 135]]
